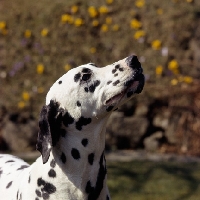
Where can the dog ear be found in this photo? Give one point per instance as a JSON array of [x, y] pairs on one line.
[[50, 122]]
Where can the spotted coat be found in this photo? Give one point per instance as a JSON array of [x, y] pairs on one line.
[[71, 137]]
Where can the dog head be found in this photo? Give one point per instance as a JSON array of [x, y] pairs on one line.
[[84, 93]]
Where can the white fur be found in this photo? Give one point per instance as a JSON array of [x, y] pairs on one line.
[[73, 175]]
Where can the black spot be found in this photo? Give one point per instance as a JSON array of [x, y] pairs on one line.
[[91, 158], [9, 184], [59, 82], [63, 132], [55, 121], [94, 192], [9, 161], [86, 89], [82, 122], [109, 82], [115, 75], [116, 82], [109, 108], [89, 188], [93, 64], [75, 154], [38, 193], [86, 77], [17, 194], [129, 94], [121, 69], [78, 103], [86, 70], [67, 119], [77, 77], [40, 182], [49, 188], [29, 179], [52, 173], [50, 124], [23, 167], [94, 85], [46, 186], [84, 142], [63, 158], [117, 66], [107, 197], [45, 195], [36, 198], [53, 163], [114, 70]]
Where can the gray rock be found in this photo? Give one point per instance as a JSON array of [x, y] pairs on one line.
[[20, 136], [151, 143], [125, 132]]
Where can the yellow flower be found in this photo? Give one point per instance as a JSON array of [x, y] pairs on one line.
[[74, 9], [139, 34], [27, 33], [109, 1], [159, 70], [108, 20], [188, 79], [174, 81], [21, 104], [44, 32], [159, 11], [135, 24], [173, 65], [2, 24], [115, 27], [25, 96], [140, 3], [78, 22], [103, 10], [92, 11], [40, 68], [95, 23], [93, 50], [67, 19], [104, 28], [67, 67], [156, 44]]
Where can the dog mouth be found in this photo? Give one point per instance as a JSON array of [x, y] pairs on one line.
[[133, 86]]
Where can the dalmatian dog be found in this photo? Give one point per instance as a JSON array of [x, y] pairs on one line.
[[71, 136]]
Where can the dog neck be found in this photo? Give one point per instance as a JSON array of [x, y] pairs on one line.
[[78, 166]]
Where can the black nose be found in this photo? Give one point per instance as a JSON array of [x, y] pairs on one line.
[[132, 62]]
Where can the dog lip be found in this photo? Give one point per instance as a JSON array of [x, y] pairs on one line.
[[135, 85]]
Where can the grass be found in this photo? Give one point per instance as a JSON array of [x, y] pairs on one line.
[[145, 180], [148, 180]]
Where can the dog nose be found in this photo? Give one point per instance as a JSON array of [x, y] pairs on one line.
[[132, 62]]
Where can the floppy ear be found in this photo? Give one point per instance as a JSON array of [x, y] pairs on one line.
[[50, 122]]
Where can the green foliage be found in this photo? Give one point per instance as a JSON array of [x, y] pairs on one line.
[[145, 180]]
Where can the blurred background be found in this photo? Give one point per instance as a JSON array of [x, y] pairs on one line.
[[42, 40]]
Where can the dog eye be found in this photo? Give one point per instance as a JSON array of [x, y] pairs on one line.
[[86, 77]]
